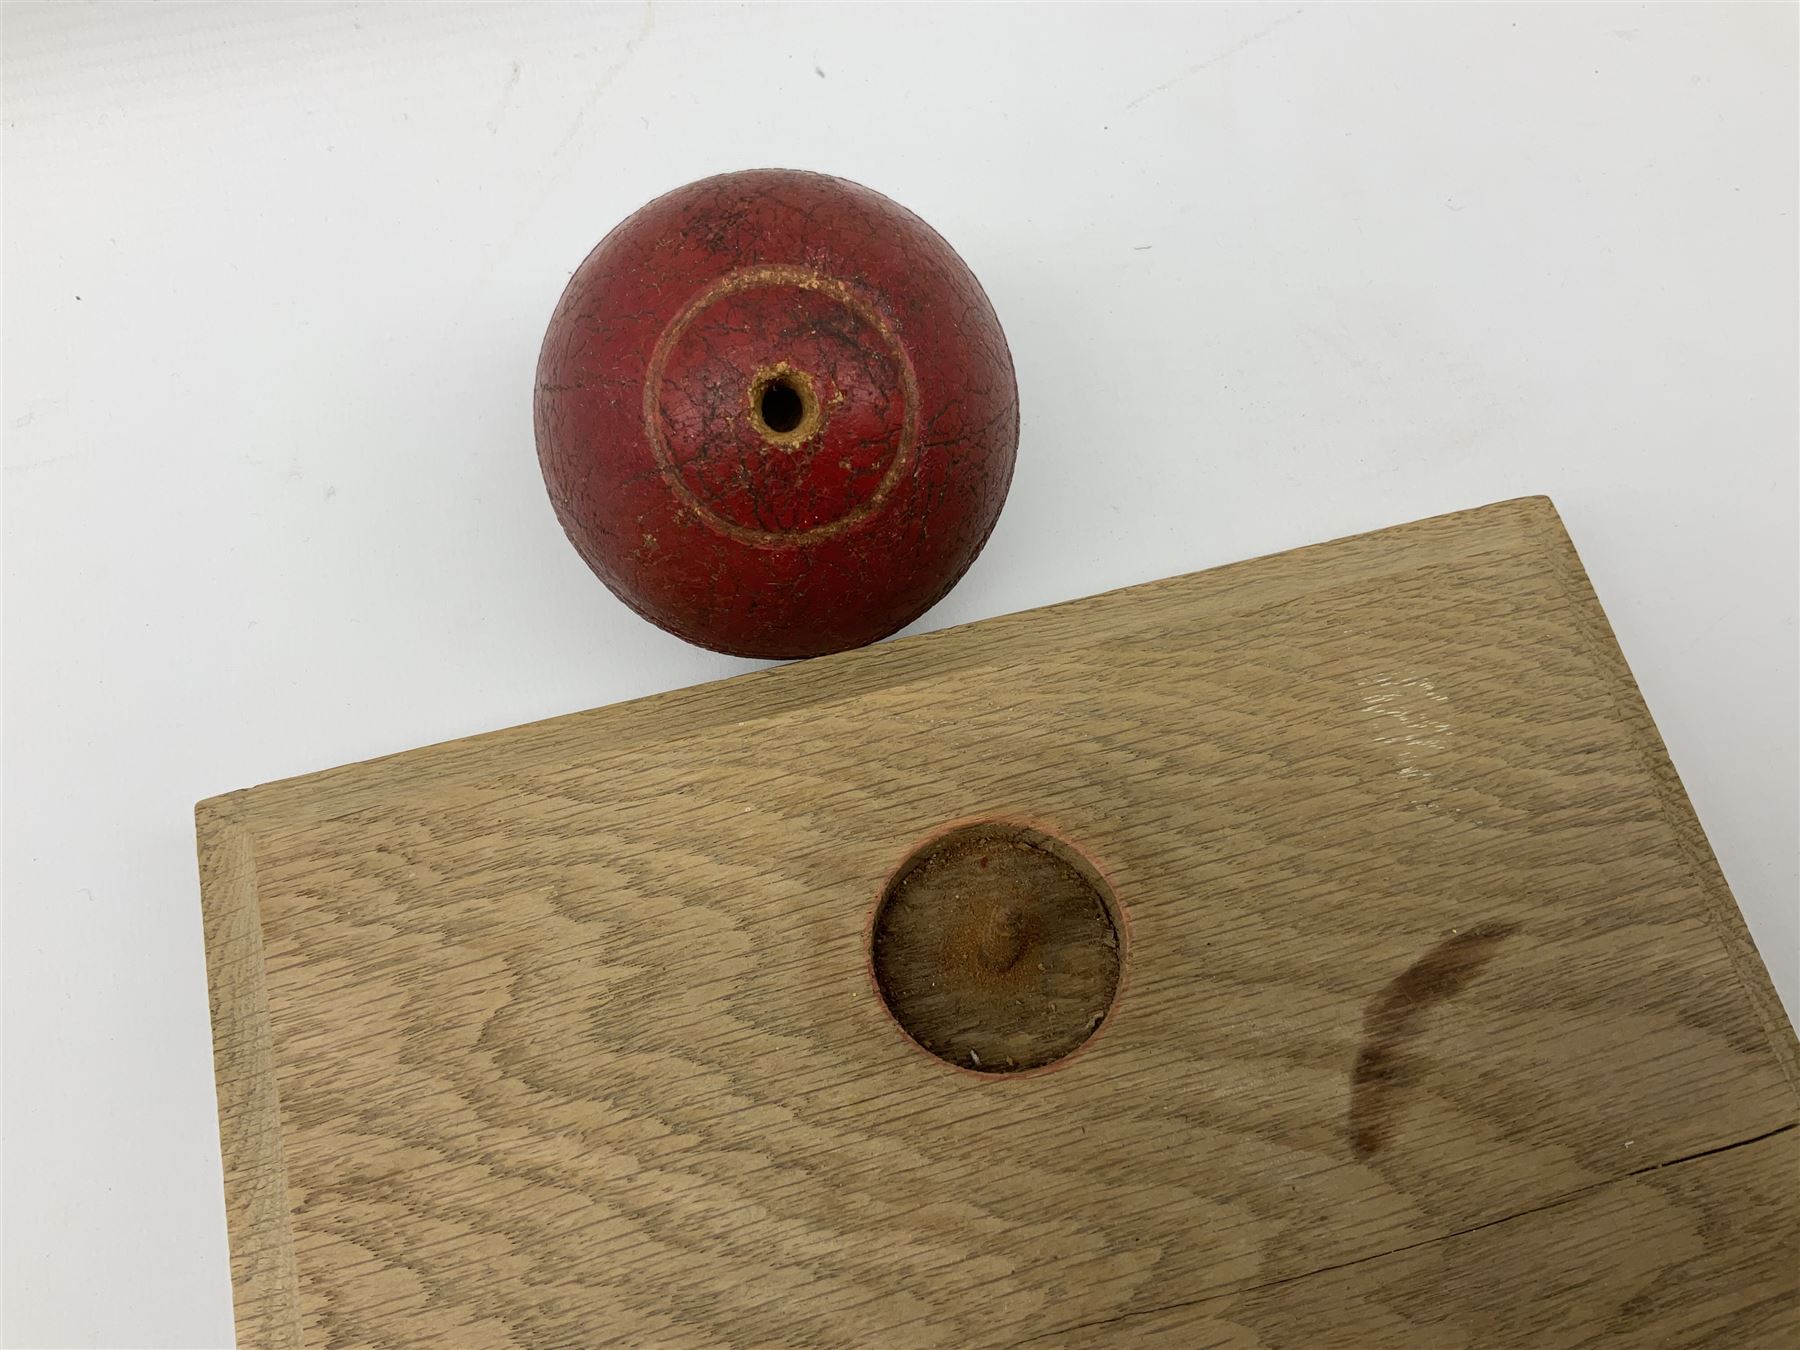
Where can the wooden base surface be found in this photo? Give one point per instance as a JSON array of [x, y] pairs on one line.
[[1436, 1023]]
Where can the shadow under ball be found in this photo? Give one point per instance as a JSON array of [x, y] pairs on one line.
[[776, 414]]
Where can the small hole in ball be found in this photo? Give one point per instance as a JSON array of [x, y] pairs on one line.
[[782, 406]]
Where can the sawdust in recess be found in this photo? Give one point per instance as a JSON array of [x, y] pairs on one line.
[[994, 952]]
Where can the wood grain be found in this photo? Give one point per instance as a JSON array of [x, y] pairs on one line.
[[574, 1040], [1692, 1255], [262, 1251]]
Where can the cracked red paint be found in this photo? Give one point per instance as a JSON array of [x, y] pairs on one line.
[[711, 524]]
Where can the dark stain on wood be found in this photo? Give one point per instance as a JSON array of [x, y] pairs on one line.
[[1395, 1016]]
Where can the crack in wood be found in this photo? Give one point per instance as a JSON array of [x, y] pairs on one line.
[[1237, 1290]]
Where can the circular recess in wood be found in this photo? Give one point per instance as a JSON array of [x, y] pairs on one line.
[[997, 947]]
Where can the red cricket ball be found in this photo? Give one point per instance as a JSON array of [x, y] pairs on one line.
[[776, 413]]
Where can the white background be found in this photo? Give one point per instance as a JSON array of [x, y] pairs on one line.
[[275, 280]]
